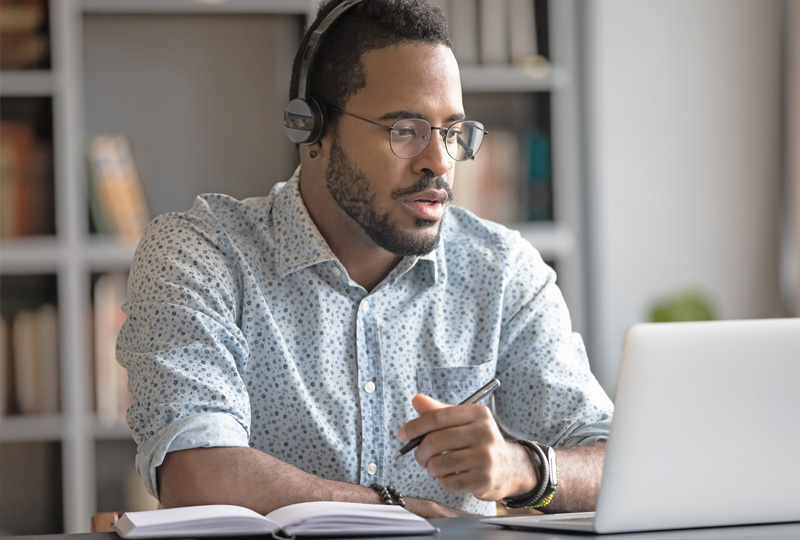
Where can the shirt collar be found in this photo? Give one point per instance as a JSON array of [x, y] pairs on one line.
[[299, 243]]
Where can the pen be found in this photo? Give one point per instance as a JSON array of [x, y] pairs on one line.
[[482, 392]]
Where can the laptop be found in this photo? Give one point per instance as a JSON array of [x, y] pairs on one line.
[[706, 431]]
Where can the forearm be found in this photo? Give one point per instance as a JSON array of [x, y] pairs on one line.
[[253, 479], [580, 472]]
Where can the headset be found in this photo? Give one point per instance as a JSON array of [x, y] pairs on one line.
[[304, 118]]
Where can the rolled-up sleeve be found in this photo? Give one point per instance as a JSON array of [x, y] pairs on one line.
[[181, 344], [549, 392]]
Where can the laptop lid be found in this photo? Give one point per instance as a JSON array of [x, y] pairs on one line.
[[706, 428]]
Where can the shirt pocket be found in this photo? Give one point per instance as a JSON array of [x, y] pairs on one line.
[[452, 385]]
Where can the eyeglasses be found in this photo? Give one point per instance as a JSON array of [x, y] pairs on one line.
[[409, 136]]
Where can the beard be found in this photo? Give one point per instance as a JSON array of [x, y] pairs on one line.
[[352, 191]]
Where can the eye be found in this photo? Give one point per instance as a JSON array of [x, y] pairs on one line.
[[454, 133], [405, 132]]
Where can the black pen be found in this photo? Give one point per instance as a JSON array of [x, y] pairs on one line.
[[482, 392]]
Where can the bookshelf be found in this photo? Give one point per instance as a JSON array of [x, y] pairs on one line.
[[103, 77]]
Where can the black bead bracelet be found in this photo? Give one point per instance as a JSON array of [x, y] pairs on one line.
[[387, 492]]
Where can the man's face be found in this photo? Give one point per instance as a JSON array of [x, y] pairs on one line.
[[398, 203]]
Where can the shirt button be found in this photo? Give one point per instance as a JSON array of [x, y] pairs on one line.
[[337, 271], [372, 468], [369, 387], [365, 306]]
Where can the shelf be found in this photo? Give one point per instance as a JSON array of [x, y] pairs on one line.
[[511, 79], [36, 254], [104, 253], [198, 6], [43, 254], [26, 83], [31, 428]]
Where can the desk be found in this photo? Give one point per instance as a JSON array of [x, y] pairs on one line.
[[471, 529]]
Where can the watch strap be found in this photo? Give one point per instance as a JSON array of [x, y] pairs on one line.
[[547, 484]]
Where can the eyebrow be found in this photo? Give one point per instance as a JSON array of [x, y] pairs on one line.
[[403, 115]]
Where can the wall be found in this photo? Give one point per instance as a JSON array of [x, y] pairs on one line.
[[212, 99], [684, 144]]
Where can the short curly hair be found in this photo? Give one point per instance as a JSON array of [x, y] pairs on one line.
[[338, 73]]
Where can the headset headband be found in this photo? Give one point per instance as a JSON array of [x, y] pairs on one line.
[[304, 118]]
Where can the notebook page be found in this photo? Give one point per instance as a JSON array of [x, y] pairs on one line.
[[326, 517]]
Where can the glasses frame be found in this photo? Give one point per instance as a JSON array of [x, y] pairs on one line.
[[442, 131]]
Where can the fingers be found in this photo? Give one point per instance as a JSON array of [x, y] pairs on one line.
[[473, 427], [463, 448], [439, 417], [423, 404], [469, 470]]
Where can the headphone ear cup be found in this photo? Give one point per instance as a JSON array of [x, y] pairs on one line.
[[320, 112], [304, 120]]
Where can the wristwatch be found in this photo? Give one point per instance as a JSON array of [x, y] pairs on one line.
[[542, 494]]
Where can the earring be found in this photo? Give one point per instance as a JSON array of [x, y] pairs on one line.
[[312, 154]]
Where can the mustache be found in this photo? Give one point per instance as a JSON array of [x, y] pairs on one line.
[[426, 182]]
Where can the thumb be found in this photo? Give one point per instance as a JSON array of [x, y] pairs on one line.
[[423, 404]]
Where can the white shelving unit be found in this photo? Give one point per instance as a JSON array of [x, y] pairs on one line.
[[74, 255]]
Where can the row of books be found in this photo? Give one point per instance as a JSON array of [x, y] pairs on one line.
[[112, 398], [118, 204], [29, 356], [497, 32], [29, 362], [510, 179], [27, 196], [24, 39]]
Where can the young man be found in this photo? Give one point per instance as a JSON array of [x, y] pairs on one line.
[[281, 349]]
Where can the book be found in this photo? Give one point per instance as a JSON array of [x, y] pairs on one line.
[[489, 186], [24, 43], [47, 358], [464, 31], [117, 200], [5, 370], [27, 196], [111, 379], [522, 31], [494, 32], [35, 354], [16, 156], [320, 518]]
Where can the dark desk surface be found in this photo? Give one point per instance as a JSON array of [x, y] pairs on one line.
[[471, 529]]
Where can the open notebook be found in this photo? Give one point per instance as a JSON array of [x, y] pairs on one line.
[[320, 518], [705, 433]]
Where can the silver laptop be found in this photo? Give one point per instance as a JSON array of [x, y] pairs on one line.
[[706, 431]]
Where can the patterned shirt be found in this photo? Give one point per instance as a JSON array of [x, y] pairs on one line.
[[243, 329]]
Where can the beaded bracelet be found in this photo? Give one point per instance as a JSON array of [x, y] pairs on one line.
[[398, 498], [387, 492], [382, 491]]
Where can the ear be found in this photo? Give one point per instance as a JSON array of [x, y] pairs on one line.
[[313, 151], [423, 404]]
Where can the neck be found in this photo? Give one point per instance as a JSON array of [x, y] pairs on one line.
[[366, 263]]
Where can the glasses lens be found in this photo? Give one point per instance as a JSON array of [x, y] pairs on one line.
[[464, 140], [409, 137]]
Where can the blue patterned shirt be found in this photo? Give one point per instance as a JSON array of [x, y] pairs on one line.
[[243, 329]]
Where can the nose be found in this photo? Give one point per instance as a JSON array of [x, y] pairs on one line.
[[434, 158]]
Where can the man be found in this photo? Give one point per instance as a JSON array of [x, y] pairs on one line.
[[281, 349]]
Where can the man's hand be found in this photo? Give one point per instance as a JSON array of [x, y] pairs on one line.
[[465, 451]]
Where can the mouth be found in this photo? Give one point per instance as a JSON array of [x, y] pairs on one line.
[[428, 205]]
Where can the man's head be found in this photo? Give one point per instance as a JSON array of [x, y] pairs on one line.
[[380, 62], [337, 71]]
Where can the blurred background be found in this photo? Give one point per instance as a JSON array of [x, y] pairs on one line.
[[649, 150]]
